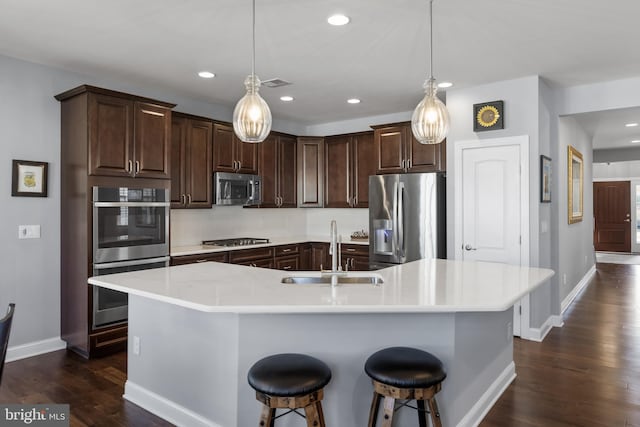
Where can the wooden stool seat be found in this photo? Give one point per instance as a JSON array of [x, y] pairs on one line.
[[290, 381], [407, 374]]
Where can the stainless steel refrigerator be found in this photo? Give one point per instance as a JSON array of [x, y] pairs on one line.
[[406, 218]]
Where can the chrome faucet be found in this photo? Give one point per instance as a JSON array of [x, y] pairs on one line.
[[334, 249]]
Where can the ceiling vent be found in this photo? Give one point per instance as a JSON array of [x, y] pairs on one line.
[[275, 82]]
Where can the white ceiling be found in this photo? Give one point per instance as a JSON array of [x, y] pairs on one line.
[[608, 129], [381, 57]]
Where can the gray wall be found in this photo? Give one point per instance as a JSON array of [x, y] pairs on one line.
[[616, 155], [575, 248]]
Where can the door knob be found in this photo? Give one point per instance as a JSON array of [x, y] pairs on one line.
[[627, 220], [469, 248]]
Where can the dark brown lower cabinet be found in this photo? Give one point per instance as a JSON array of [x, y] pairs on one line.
[[190, 259], [310, 256], [355, 257]]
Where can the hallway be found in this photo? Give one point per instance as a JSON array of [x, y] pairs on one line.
[[586, 373]]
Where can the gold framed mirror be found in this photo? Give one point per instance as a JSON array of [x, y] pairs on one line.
[[575, 184]]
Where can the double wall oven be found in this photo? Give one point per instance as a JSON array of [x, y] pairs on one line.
[[130, 232]]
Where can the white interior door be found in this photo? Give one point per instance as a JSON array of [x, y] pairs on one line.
[[492, 208], [491, 204]]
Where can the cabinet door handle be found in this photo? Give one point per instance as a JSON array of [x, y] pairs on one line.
[[201, 260], [137, 166], [287, 267], [402, 164], [349, 250], [408, 164], [189, 198], [355, 201], [183, 199], [353, 263], [239, 165], [286, 250], [129, 166]]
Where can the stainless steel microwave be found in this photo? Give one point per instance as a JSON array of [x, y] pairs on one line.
[[237, 189]]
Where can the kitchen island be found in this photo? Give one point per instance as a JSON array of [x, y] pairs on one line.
[[195, 330]]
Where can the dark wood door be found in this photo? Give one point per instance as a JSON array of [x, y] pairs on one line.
[[389, 147], [268, 170], [247, 156], [152, 124], [287, 171], [198, 172], [611, 207], [178, 166], [310, 172], [110, 136], [320, 258], [364, 165], [223, 155], [423, 157], [337, 171]]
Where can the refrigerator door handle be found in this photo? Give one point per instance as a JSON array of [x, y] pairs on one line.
[[401, 250], [395, 249]]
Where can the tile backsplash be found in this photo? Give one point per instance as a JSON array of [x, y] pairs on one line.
[[190, 227]]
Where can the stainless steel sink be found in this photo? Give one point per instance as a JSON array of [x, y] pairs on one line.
[[311, 280]]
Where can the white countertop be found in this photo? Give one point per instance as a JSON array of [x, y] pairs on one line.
[[275, 241], [419, 286]]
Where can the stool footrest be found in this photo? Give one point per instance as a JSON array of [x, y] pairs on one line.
[[291, 402]]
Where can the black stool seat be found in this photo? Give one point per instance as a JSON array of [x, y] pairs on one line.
[[405, 367], [289, 374]]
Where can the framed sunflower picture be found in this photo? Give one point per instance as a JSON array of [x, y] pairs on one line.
[[488, 116]]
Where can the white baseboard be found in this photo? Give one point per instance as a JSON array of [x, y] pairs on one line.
[[164, 408], [538, 334], [477, 413], [35, 348], [576, 290]]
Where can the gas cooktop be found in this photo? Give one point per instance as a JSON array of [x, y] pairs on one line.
[[240, 241]]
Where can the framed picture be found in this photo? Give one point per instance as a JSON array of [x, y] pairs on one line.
[[574, 184], [29, 179], [545, 179], [488, 116]]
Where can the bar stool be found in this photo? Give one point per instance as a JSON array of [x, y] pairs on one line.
[[290, 381], [405, 373]]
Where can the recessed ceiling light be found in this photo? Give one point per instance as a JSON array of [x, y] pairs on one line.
[[445, 85], [206, 74], [631, 125], [286, 98], [635, 141], [353, 101], [338, 19]]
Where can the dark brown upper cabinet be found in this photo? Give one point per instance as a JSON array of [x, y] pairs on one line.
[[398, 151], [230, 154], [310, 172], [277, 167], [191, 160], [128, 137], [349, 160]]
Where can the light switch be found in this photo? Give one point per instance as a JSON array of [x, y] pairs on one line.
[[28, 231]]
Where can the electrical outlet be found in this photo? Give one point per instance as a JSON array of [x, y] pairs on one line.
[[509, 331], [136, 346], [28, 232]]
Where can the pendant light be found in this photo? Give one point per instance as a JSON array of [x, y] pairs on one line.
[[430, 119], [252, 117]]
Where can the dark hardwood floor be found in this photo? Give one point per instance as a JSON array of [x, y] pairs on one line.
[[93, 388], [586, 373]]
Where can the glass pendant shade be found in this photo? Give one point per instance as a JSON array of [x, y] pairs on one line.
[[430, 119], [252, 117]]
